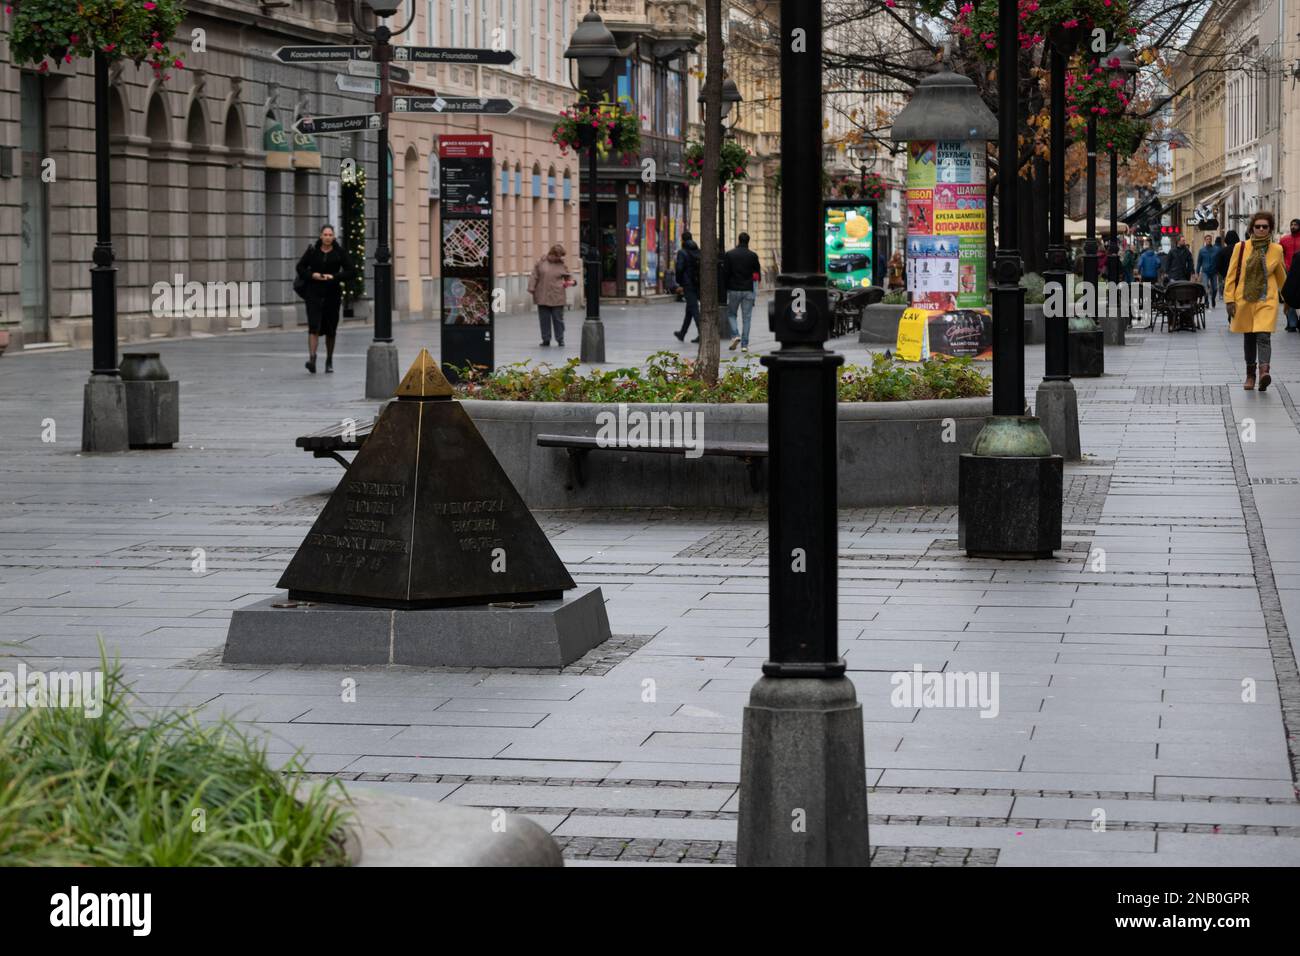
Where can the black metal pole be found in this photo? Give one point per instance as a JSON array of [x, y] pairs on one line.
[[1056, 328], [103, 275], [593, 247], [1008, 294], [1112, 247], [1090, 243], [802, 383], [383, 255]]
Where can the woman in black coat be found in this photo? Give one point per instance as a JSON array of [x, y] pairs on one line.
[[322, 268]]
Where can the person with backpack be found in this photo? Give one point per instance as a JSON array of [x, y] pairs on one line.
[[321, 271], [1149, 263], [687, 273]]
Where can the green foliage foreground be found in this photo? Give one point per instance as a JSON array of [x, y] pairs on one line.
[[143, 789], [669, 377]]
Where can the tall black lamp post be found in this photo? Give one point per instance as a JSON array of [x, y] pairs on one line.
[[1010, 484], [593, 48], [1056, 402], [1121, 64], [103, 416], [803, 793], [381, 358], [730, 97]]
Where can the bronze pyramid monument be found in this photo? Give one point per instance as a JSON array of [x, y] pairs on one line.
[[425, 517]]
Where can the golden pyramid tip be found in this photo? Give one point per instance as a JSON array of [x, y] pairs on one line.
[[424, 379]]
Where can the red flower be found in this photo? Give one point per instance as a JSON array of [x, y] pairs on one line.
[[43, 67], [178, 64], [150, 5]]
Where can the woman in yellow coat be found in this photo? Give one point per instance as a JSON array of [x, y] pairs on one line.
[[1256, 275]]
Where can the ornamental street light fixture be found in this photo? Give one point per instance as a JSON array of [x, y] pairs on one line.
[[381, 357], [593, 49], [1010, 484], [802, 757]]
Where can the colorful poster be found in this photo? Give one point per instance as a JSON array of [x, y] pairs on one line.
[[632, 242], [947, 220], [850, 244], [961, 333]]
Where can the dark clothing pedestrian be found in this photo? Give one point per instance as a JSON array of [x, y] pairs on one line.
[[741, 268], [1180, 266], [324, 296], [687, 273]]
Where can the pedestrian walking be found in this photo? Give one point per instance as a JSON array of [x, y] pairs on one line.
[[687, 272], [547, 286], [320, 273], [896, 272], [1180, 266], [1126, 262], [1149, 263], [1207, 268], [743, 273], [1251, 295], [1290, 243]]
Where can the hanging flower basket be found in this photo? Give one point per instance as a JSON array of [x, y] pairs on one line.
[[1060, 19], [614, 129], [63, 30], [733, 161], [1093, 89]]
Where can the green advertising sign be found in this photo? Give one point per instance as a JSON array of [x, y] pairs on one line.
[[850, 229]]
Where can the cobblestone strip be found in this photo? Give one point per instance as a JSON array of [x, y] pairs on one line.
[[724, 852], [1279, 641], [1181, 395]]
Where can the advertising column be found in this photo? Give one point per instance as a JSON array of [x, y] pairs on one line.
[[465, 251], [946, 259]]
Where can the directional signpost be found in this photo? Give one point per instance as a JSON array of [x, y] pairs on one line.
[[322, 54], [337, 124], [371, 71], [450, 104], [443, 54], [357, 84]]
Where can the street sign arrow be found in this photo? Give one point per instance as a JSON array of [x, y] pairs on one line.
[[337, 124], [321, 54], [450, 104], [446, 54], [371, 68], [357, 84]]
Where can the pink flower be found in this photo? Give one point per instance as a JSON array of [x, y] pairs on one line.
[[74, 38], [968, 8], [890, 3], [67, 58], [43, 67], [1070, 24], [110, 48], [9, 9], [178, 64], [157, 45], [150, 5]]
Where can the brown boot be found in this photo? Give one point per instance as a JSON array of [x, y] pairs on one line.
[[1265, 380], [1250, 377]]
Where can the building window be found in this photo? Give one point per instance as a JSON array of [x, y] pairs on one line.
[[431, 23], [534, 23]]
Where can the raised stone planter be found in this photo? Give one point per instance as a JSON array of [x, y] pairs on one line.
[[392, 830], [890, 453]]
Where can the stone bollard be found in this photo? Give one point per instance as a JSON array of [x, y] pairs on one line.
[[153, 401]]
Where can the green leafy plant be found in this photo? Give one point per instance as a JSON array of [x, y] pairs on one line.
[[733, 161], [127, 788], [615, 129], [669, 377], [137, 30]]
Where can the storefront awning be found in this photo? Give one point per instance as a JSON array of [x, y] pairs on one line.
[[1147, 209]]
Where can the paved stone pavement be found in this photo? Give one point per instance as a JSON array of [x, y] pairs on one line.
[[1121, 662]]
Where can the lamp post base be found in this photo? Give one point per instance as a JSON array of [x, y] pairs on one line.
[[1057, 408], [103, 415], [593, 341], [1087, 352], [1009, 507], [803, 775], [381, 370]]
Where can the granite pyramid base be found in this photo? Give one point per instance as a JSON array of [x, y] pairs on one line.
[[540, 634]]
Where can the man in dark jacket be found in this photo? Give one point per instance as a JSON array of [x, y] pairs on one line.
[[742, 274], [687, 272], [1180, 266], [1206, 266]]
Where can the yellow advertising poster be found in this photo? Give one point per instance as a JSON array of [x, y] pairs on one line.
[[913, 343]]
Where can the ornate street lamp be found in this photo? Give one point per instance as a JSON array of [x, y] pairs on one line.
[[730, 96], [593, 48], [1010, 484], [381, 357]]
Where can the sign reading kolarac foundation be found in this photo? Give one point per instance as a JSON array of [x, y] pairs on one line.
[[425, 516]]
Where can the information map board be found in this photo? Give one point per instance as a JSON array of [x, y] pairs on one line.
[[465, 251]]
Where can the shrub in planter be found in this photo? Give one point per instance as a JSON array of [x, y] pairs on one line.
[[669, 377], [122, 788], [136, 30]]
